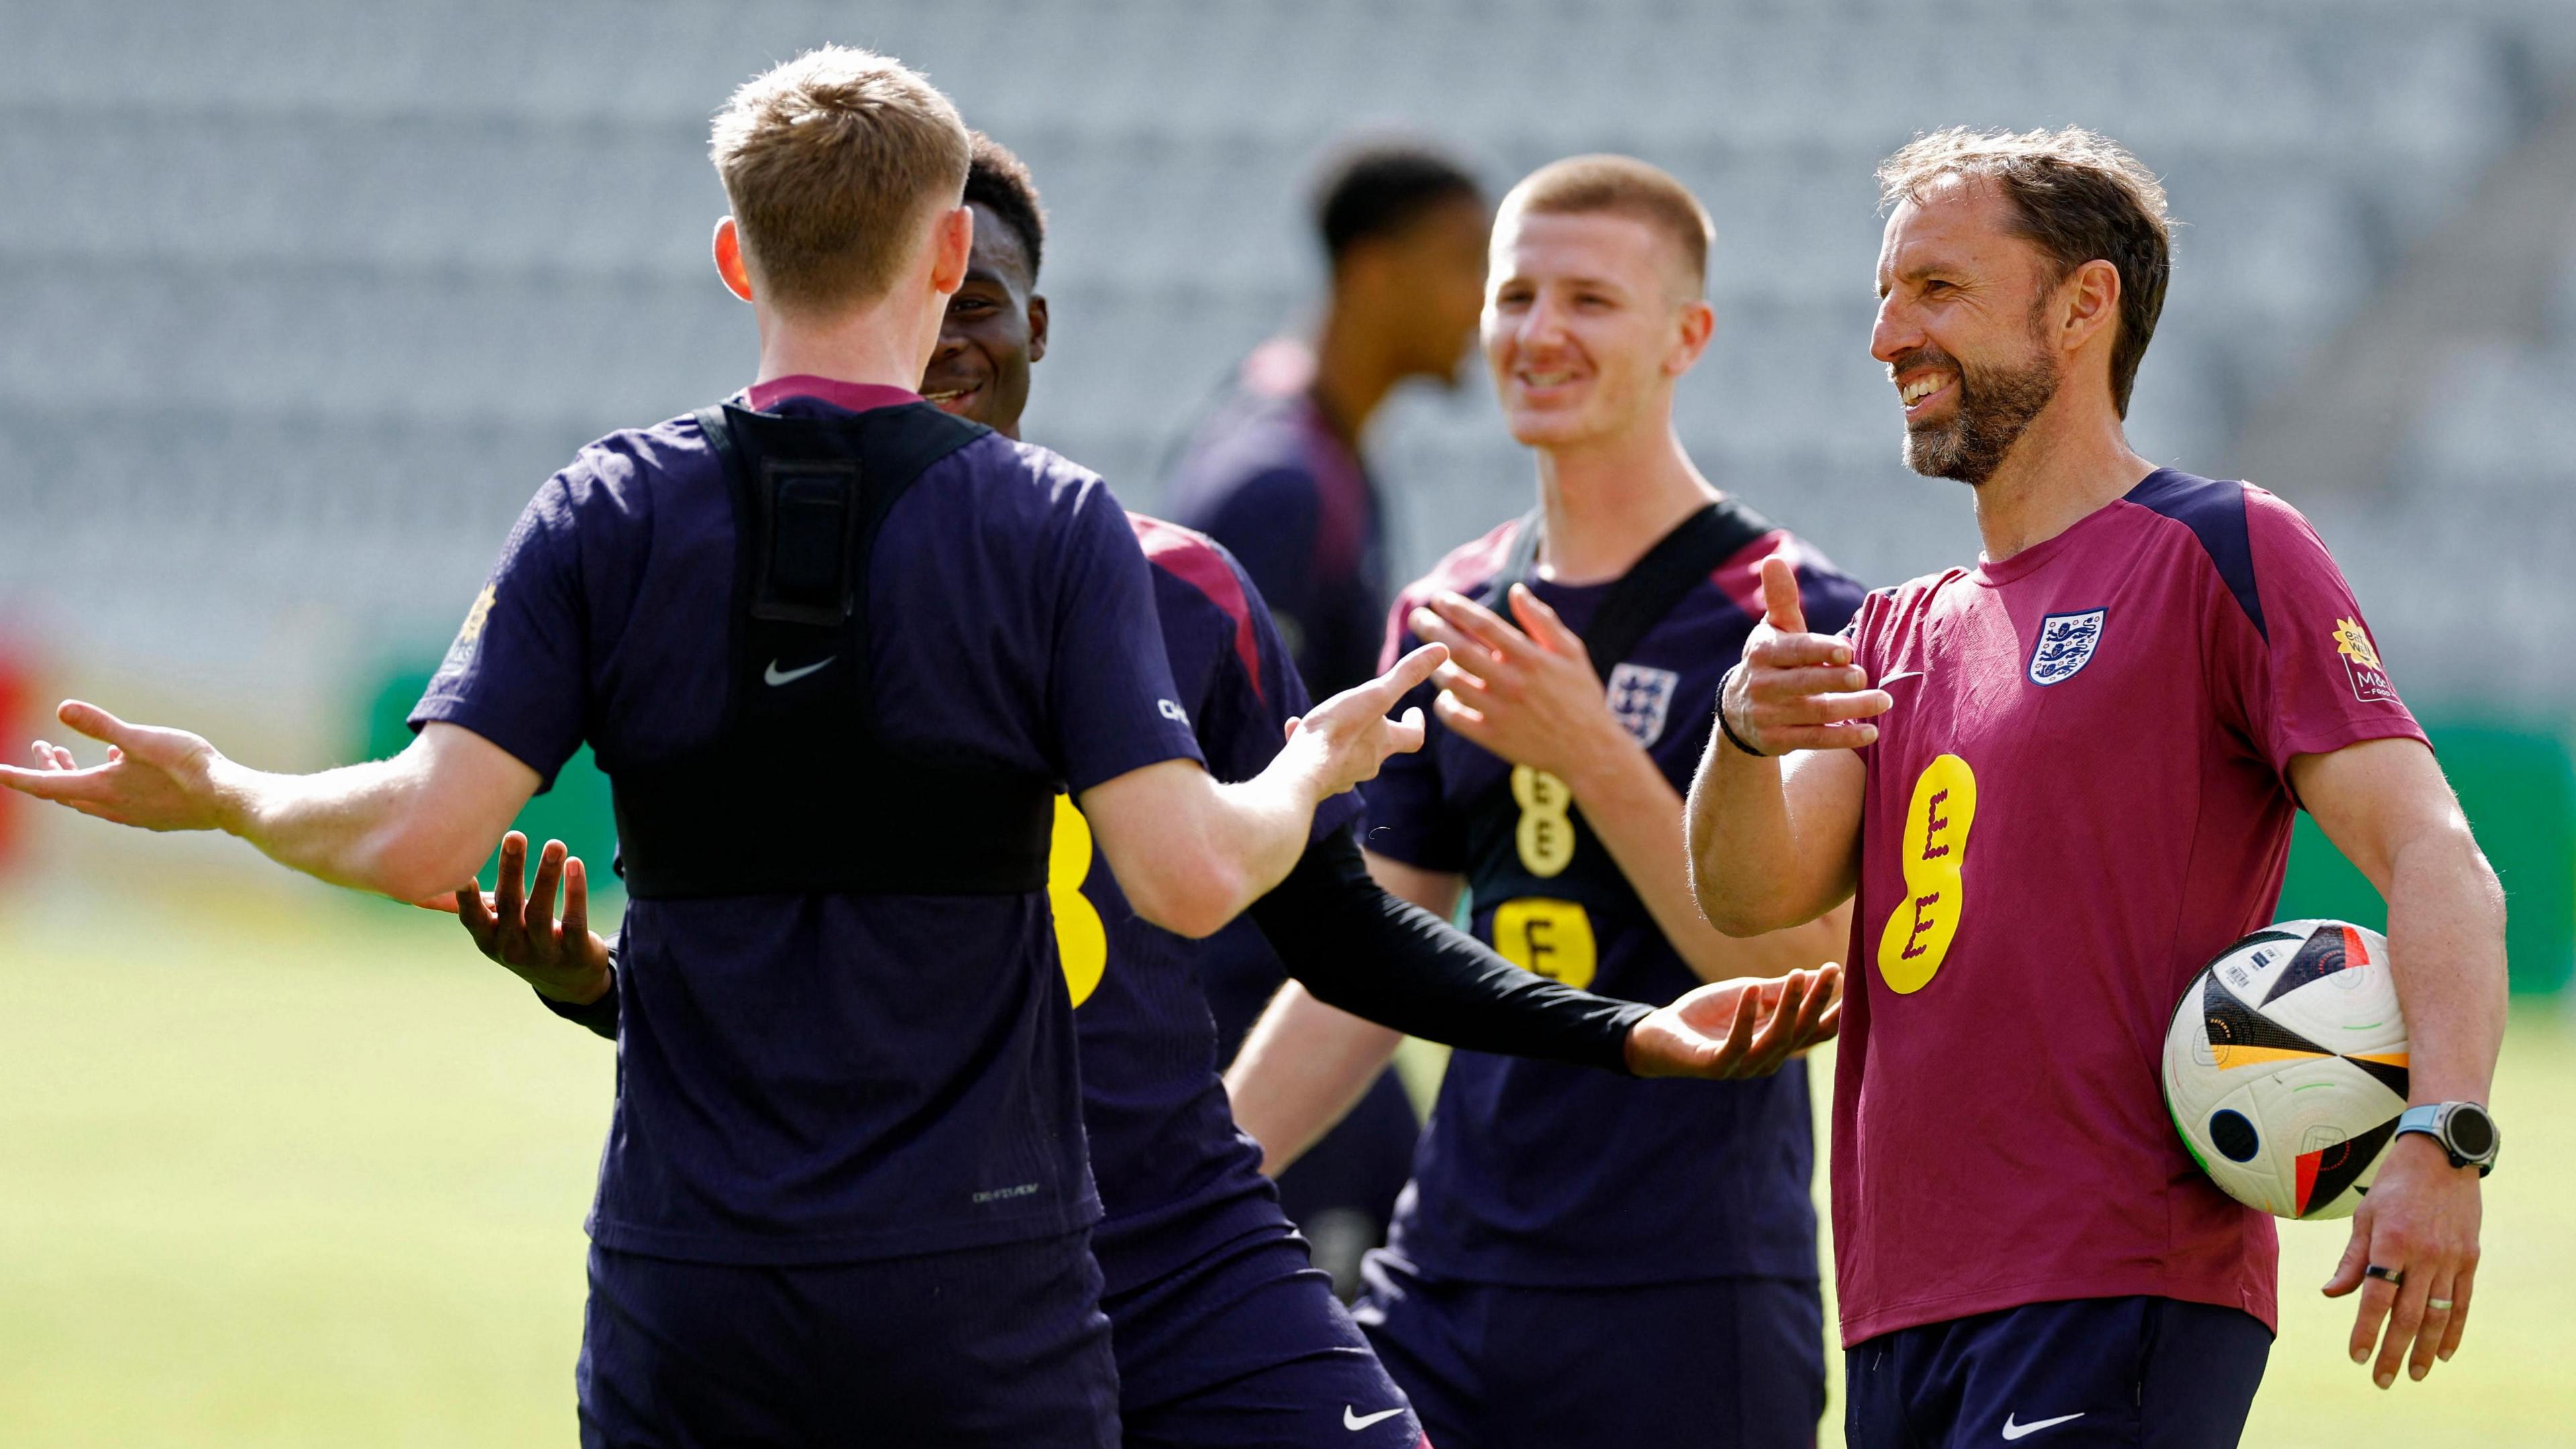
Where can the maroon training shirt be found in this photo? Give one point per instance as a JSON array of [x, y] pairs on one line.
[[2080, 797]]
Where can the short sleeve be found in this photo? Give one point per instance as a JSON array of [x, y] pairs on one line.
[[518, 669], [1110, 692], [1408, 816], [2307, 677]]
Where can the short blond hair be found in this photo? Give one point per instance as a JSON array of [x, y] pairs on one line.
[[830, 162], [1622, 186], [2078, 196]]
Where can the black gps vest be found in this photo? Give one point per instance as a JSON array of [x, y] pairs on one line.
[[798, 792], [1499, 861]]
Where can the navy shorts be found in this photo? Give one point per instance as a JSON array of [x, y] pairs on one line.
[[2082, 1374], [1725, 1362], [1002, 1346], [1246, 1348]]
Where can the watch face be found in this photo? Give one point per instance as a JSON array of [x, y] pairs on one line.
[[2472, 1132]]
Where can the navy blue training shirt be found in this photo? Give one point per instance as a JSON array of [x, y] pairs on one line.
[[1542, 1174], [829, 1077], [1178, 1179]]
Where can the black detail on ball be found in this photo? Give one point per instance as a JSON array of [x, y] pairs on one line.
[[2321, 957], [2231, 1134], [2231, 1023], [2338, 1165]]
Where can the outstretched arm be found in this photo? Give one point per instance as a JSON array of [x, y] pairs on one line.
[[1191, 853], [1357, 947], [1775, 841], [2385, 805], [410, 827], [1529, 695]]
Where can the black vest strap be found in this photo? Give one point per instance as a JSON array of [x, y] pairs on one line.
[[1679, 562], [798, 792]]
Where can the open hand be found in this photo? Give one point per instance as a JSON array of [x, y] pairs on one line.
[[1796, 690], [563, 961], [1745, 1027], [2421, 1220], [155, 779], [1530, 697], [1350, 732]]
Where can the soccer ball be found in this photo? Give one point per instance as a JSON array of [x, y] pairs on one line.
[[2285, 1069]]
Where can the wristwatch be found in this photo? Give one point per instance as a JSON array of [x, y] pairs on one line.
[[2467, 1134]]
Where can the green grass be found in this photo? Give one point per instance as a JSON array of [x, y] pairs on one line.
[[314, 1175]]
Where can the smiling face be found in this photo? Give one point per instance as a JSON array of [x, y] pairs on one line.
[[1589, 318], [996, 326], [1962, 327]]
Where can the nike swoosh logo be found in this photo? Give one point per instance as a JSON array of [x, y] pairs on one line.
[[773, 677], [2015, 1431], [1354, 1420]]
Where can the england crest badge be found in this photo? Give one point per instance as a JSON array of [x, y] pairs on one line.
[[2066, 645], [1640, 698]]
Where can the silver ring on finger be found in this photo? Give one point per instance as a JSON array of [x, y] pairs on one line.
[[2438, 1305]]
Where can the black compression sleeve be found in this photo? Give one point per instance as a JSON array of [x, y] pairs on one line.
[[1358, 948], [601, 1015]]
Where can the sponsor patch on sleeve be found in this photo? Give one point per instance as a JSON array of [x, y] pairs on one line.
[[2361, 663], [463, 649]]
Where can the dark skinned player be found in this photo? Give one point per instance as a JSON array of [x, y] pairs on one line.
[[1224, 1334]]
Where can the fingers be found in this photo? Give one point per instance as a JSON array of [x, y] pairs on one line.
[[1404, 736], [1488, 629], [1408, 673], [541, 896], [576, 910], [1781, 739], [477, 918], [1796, 651], [1771, 1043], [96, 723], [1781, 608], [509, 901], [2378, 1299], [2405, 1318], [1464, 651], [1543, 624], [2439, 1305], [1788, 685], [2461, 1287]]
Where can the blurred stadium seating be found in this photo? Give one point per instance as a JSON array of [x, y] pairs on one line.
[[299, 300]]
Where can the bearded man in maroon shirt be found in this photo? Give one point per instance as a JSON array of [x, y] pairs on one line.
[[2054, 785]]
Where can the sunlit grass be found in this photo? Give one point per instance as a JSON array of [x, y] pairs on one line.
[[315, 1176]]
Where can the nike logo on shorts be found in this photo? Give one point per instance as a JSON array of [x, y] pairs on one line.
[[1354, 1420], [774, 676], [2015, 1431]]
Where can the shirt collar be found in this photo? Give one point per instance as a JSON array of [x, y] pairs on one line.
[[857, 397]]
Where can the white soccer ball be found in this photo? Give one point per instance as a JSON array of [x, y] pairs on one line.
[[2286, 1067]]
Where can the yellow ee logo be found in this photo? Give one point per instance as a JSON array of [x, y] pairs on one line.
[[1545, 836], [1935, 845], [1080, 940], [1547, 937]]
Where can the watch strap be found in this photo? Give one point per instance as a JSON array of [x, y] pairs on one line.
[[2433, 1121]]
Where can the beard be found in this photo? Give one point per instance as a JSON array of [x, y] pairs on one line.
[[1996, 403]]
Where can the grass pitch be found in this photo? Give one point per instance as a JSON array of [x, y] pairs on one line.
[[313, 1174]]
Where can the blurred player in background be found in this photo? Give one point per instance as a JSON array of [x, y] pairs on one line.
[[1276, 475], [845, 1192], [1581, 1260], [1225, 1336], [2060, 782]]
